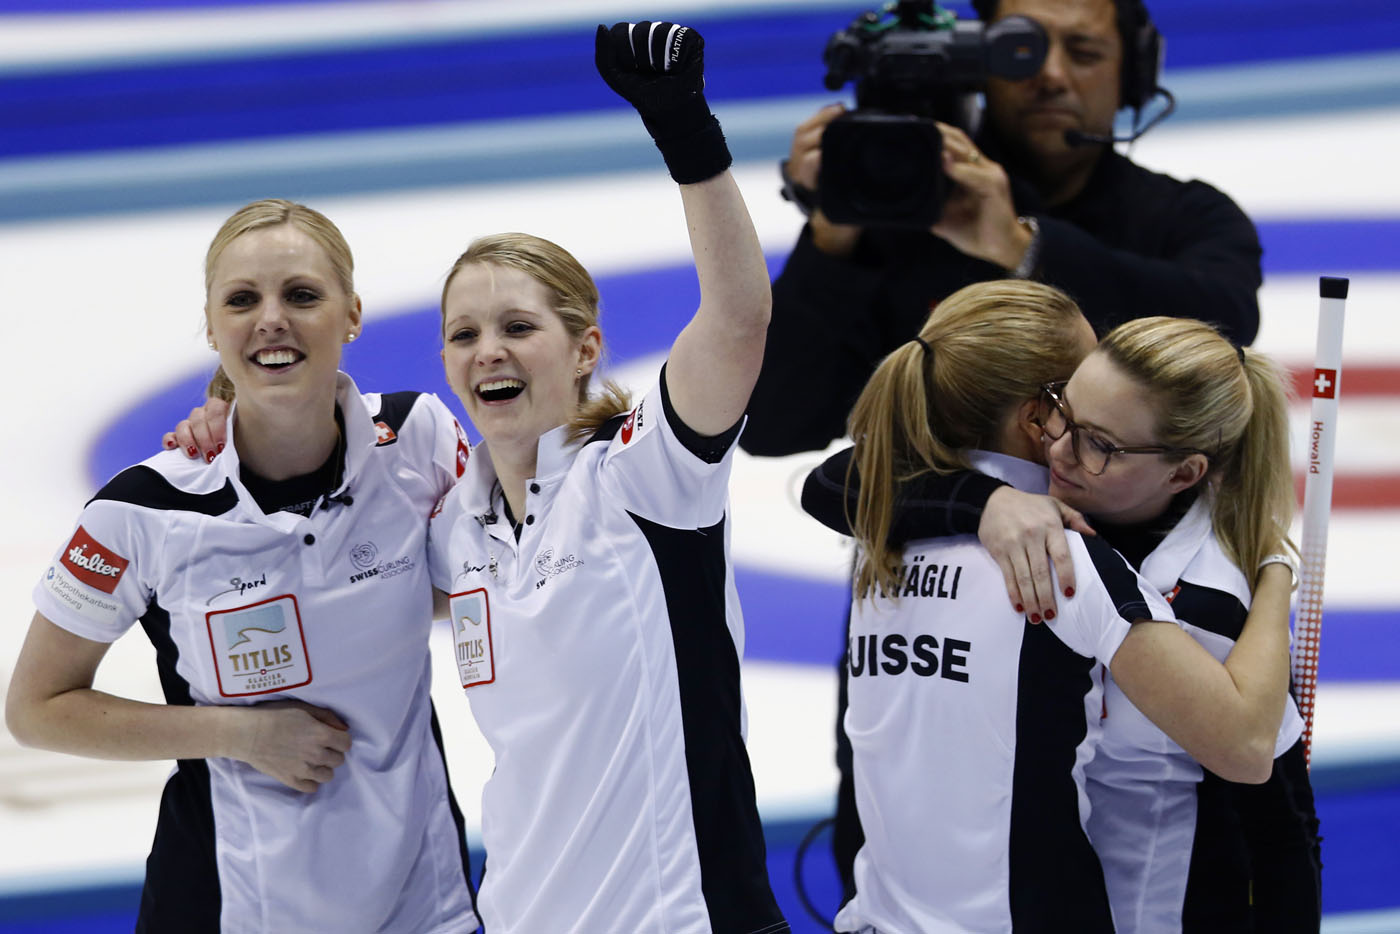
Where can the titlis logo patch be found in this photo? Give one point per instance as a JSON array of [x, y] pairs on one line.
[[93, 563]]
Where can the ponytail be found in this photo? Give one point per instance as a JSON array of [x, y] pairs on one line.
[[984, 350]]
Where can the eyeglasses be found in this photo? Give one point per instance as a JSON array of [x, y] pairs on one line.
[[1092, 450]]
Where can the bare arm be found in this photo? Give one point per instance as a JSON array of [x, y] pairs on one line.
[[715, 360], [51, 704], [1226, 716]]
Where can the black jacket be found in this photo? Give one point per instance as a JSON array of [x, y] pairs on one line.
[[1134, 243]]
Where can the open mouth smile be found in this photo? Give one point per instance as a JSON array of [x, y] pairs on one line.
[[499, 390], [277, 359]]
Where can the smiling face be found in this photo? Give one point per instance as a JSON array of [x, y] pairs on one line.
[[508, 356], [1077, 88], [1108, 405], [278, 316]]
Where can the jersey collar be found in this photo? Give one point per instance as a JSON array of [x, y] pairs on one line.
[[1168, 561], [554, 454], [1022, 474], [360, 438]]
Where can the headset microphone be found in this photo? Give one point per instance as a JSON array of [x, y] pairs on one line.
[[1076, 138]]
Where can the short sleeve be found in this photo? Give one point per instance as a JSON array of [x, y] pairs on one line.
[[651, 470], [1109, 598], [440, 522], [437, 447], [94, 585], [450, 446]]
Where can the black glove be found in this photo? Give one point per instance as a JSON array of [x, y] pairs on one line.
[[659, 68]]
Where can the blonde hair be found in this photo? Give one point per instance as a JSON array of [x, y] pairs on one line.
[[991, 346], [273, 212], [575, 302], [1210, 395]]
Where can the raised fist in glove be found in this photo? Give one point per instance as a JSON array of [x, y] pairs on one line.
[[659, 68]]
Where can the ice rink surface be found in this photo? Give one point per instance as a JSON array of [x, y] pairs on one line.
[[105, 345]]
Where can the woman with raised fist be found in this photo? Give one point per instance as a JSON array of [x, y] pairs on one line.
[[586, 552]]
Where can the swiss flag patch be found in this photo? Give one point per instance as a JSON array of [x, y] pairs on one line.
[[383, 434], [633, 424], [627, 426], [1324, 384], [93, 563], [464, 449]]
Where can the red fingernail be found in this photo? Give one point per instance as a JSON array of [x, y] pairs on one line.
[[1020, 609], [1049, 614], [221, 450], [169, 444], [1069, 591], [193, 452], [209, 458], [1035, 617]]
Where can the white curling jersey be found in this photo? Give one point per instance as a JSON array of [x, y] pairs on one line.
[[333, 609], [971, 729], [1144, 787], [600, 654]]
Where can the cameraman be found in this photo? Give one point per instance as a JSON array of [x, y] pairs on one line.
[[1027, 200]]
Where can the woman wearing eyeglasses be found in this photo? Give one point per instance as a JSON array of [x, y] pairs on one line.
[[972, 729], [1183, 850]]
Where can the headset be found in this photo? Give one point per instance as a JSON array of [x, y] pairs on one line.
[[1142, 54]]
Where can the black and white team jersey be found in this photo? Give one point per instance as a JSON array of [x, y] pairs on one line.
[[600, 654], [334, 609], [1142, 785], [971, 730]]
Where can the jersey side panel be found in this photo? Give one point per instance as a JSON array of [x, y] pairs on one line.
[[652, 472], [728, 832], [1056, 883], [1056, 880], [181, 889]]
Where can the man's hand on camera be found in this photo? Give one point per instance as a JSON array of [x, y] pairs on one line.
[[978, 217], [804, 167]]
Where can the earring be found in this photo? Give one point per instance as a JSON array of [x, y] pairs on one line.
[[578, 372], [350, 337], [211, 346]]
